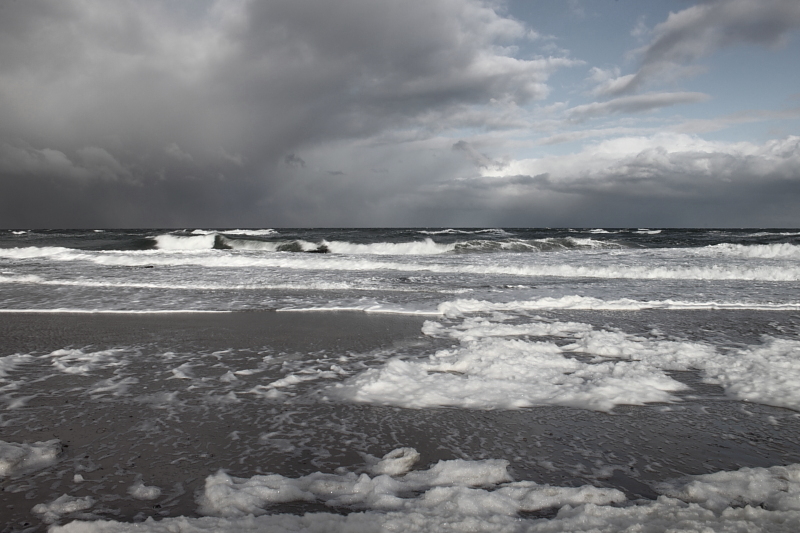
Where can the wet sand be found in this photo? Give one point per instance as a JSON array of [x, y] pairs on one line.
[[172, 431]]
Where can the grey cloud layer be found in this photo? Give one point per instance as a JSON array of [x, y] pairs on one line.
[[175, 97], [354, 112]]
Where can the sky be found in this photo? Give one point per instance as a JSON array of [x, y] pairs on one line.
[[387, 113]]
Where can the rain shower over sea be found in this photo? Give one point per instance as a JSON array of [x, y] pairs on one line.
[[372, 380]]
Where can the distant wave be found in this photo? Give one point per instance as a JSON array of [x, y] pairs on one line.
[[218, 241], [760, 251], [265, 246], [567, 243], [254, 232], [450, 231], [425, 247], [428, 246], [32, 252], [771, 233], [549, 244], [332, 262]]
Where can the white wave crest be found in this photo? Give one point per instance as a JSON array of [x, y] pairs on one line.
[[573, 243], [179, 242], [253, 232], [426, 247], [758, 251], [772, 233], [34, 252]]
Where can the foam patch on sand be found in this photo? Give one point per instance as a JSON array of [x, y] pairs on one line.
[[776, 488], [498, 365], [140, 491], [768, 374], [10, 363], [63, 505], [478, 496], [17, 459], [75, 361], [508, 366]]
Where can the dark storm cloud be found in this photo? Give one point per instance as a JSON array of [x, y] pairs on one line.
[[355, 112], [700, 30], [158, 104], [294, 160], [478, 159]]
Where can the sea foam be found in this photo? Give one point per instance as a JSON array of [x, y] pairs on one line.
[[479, 496], [22, 458], [464, 306], [510, 366]]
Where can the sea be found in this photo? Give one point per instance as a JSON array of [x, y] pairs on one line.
[[417, 379]]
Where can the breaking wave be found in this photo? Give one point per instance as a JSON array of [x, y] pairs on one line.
[[331, 262], [758, 251], [179, 242], [427, 246]]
